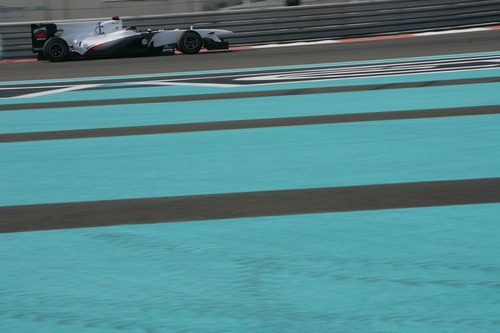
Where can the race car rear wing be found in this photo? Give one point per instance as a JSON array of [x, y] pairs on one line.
[[39, 35]]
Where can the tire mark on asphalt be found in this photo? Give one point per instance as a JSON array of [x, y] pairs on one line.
[[248, 124], [246, 94], [248, 204]]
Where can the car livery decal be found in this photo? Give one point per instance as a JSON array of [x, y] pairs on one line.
[[92, 48]]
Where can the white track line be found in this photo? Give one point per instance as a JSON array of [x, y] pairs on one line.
[[55, 91], [332, 41]]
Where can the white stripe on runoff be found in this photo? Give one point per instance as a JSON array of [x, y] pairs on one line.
[[55, 91]]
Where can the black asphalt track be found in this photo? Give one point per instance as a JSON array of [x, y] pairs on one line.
[[231, 205], [470, 42]]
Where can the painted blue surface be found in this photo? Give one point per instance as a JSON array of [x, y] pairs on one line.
[[194, 90], [248, 108], [250, 160], [409, 270]]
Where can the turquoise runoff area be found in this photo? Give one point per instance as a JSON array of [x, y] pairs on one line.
[[431, 269], [250, 160], [408, 270], [82, 95], [247, 108]]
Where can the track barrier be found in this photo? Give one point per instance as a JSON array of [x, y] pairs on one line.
[[301, 23]]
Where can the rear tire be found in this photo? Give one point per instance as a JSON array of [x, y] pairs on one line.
[[40, 56], [55, 49], [190, 42]]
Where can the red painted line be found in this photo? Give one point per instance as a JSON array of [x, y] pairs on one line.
[[240, 48], [14, 61], [91, 49]]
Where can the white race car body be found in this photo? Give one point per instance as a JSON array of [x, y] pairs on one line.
[[103, 39]]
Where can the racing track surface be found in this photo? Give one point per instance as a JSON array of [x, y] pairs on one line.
[[350, 187], [368, 50]]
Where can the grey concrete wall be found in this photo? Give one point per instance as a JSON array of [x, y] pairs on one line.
[[35, 10], [45, 10]]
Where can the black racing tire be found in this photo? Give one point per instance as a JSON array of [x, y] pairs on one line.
[[55, 49], [40, 56], [190, 42]]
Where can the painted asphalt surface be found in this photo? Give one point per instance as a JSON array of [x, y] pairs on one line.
[[428, 262]]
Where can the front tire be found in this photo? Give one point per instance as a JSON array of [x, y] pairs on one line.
[[55, 49], [190, 42]]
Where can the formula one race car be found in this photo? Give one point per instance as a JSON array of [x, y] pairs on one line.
[[108, 39]]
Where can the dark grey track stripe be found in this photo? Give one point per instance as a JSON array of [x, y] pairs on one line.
[[248, 204], [247, 94], [244, 124]]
